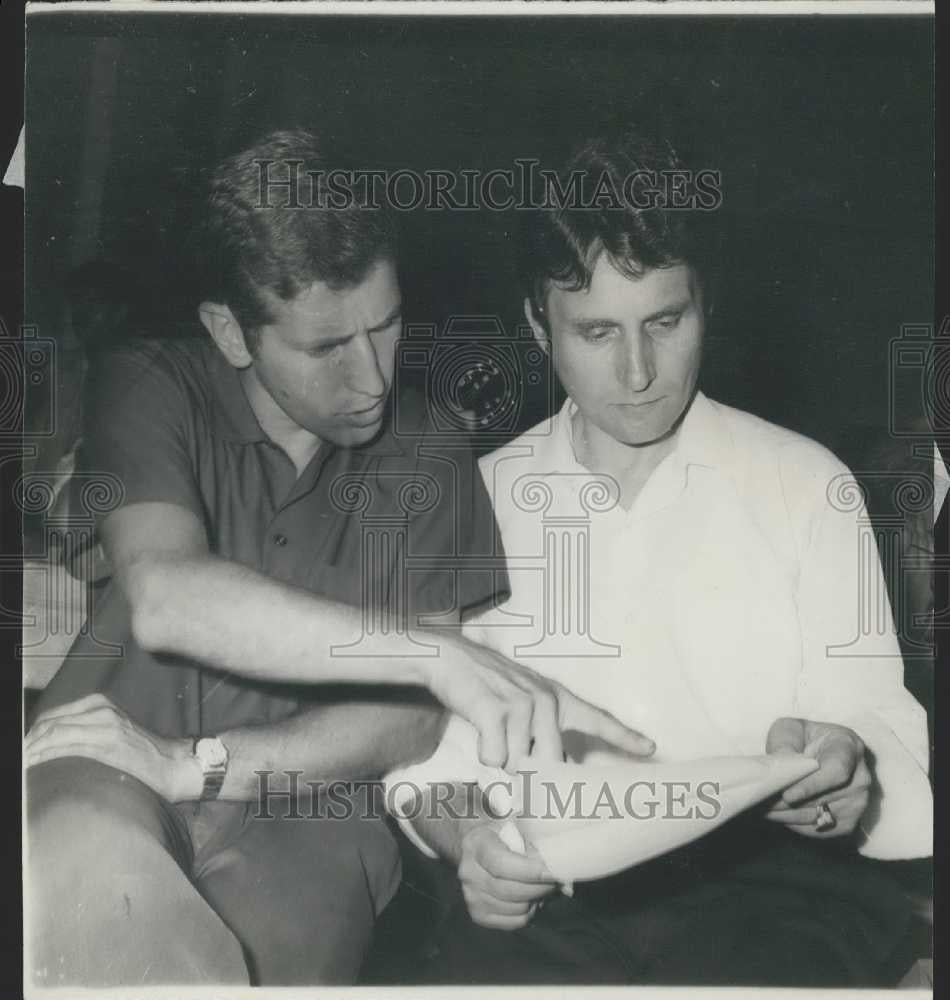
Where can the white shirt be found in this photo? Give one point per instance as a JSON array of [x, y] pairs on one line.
[[941, 481], [742, 585]]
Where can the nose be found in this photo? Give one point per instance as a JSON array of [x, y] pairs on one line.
[[637, 368], [366, 373]]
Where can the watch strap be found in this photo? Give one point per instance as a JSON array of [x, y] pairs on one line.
[[213, 775]]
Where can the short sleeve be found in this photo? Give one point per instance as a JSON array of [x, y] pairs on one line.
[[457, 535], [136, 432]]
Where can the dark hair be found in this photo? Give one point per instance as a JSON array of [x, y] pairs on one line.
[[259, 234], [562, 241]]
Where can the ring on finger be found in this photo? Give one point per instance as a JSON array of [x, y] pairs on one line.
[[825, 819]]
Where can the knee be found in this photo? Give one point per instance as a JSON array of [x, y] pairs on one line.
[[76, 807]]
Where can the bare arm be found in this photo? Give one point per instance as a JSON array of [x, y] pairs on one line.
[[346, 739], [186, 601], [355, 731]]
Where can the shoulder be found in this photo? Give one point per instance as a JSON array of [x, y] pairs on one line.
[[767, 444], [790, 482], [141, 362]]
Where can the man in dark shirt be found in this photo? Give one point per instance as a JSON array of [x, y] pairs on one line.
[[255, 506]]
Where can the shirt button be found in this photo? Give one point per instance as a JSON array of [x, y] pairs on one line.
[[280, 539]]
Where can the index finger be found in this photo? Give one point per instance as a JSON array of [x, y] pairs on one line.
[[544, 729], [581, 715]]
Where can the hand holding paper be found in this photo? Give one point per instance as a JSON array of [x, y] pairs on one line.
[[841, 782], [502, 881]]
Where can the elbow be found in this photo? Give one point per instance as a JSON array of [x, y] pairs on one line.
[[148, 609]]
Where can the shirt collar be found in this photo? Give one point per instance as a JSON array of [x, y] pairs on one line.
[[941, 481], [702, 440], [234, 419]]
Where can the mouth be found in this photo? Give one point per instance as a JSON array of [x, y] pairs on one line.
[[638, 405], [367, 416]]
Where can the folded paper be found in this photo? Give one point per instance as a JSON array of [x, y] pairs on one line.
[[589, 822]]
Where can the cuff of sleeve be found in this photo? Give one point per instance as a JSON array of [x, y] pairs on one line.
[[399, 804], [898, 824], [452, 762]]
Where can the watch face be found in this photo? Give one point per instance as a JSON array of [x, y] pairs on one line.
[[211, 752]]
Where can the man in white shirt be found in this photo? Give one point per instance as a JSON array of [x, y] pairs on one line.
[[724, 597]]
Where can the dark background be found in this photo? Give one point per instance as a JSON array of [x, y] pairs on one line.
[[822, 128]]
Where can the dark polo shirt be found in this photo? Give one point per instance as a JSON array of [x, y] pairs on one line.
[[169, 422]]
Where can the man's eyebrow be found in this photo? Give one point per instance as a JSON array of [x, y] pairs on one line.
[[670, 310], [592, 324]]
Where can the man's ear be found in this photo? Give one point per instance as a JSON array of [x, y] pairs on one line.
[[226, 332], [537, 327]]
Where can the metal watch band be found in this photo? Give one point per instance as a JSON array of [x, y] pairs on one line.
[[213, 775], [212, 786]]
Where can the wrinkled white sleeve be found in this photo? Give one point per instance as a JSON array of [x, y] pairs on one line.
[[852, 671], [455, 761]]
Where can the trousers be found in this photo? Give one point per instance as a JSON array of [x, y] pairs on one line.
[[125, 888], [749, 905]]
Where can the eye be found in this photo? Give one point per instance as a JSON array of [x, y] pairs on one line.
[[666, 323], [598, 334], [322, 350]]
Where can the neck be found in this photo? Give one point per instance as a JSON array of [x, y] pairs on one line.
[[299, 444], [630, 465]]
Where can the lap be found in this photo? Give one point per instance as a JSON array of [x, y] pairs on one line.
[[302, 891], [73, 803], [109, 897], [743, 907], [299, 894]]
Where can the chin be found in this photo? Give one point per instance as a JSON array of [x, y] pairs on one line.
[[636, 433], [638, 437], [356, 437]]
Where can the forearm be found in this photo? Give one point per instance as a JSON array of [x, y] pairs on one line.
[[346, 740], [343, 740], [235, 619]]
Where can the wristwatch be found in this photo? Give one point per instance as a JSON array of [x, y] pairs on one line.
[[212, 755]]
